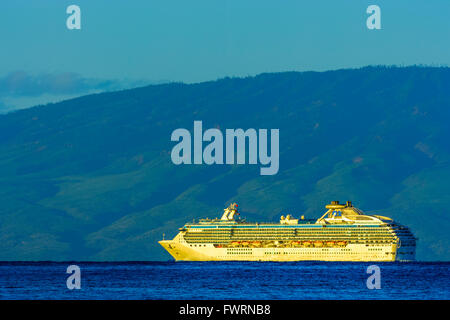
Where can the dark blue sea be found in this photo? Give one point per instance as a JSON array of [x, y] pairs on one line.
[[225, 280]]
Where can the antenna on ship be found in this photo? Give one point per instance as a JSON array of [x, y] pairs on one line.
[[164, 235]]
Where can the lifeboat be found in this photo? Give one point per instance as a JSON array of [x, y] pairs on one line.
[[245, 243], [235, 243], [330, 243], [256, 243], [318, 243], [295, 243], [341, 243], [270, 244], [306, 243]]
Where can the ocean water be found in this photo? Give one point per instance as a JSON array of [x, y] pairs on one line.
[[224, 280]]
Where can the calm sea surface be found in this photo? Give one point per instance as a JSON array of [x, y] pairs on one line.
[[224, 280]]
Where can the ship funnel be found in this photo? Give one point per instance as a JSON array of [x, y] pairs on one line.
[[228, 213], [335, 205], [349, 204]]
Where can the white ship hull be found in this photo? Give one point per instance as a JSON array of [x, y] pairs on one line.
[[352, 252]]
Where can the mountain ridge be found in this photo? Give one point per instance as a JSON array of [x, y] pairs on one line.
[[91, 178]]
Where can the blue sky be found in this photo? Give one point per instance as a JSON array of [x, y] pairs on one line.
[[127, 43]]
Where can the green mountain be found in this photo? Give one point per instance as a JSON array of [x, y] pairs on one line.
[[92, 178]]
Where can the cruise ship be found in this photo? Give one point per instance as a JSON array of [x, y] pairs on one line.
[[342, 233]]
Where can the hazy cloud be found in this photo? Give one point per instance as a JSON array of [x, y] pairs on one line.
[[20, 89], [2, 106], [21, 83]]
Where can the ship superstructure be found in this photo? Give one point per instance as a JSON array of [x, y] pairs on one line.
[[343, 233]]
